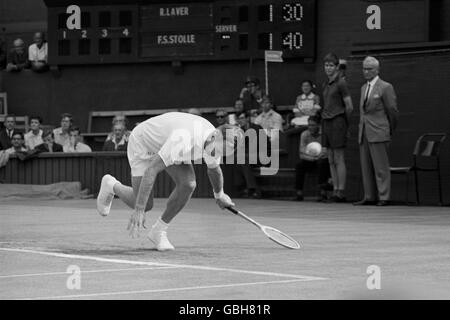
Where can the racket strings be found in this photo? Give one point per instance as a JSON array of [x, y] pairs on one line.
[[281, 238]]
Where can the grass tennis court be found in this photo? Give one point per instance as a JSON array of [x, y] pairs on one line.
[[220, 256]]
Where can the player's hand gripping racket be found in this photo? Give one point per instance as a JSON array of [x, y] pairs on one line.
[[273, 234]]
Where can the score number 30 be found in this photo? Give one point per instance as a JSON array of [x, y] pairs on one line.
[[292, 12]]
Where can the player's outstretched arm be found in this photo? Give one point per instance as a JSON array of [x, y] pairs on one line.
[[216, 178], [137, 219]]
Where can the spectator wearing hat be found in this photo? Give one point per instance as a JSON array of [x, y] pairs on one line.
[[38, 53], [33, 138], [221, 117], [18, 57], [49, 144], [251, 95]]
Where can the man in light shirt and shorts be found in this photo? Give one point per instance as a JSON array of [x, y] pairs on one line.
[[170, 142]]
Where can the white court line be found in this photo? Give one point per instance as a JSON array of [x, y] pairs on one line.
[[165, 290], [81, 271], [145, 263]]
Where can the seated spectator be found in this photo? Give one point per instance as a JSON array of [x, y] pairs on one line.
[[239, 109], [38, 53], [270, 120], [33, 138], [342, 67], [118, 143], [310, 162], [7, 132], [75, 144], [306, 105], [119, 119], [18, 57], [49, 144], [17, 144], [2, 54], [251, 95], [61, 134], [221, 117]]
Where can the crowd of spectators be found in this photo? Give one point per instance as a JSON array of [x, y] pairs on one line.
[[65, 138], [22, 56]]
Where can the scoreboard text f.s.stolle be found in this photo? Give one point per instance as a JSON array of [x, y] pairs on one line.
[[169, 30]]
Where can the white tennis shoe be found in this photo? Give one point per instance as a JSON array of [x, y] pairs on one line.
[[159, 238], [106, 195]]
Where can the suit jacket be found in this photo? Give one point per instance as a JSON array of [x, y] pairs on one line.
[[44, 148], [5, 141], [379, 118]]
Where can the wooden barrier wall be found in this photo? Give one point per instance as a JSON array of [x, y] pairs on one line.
[[88, 168]]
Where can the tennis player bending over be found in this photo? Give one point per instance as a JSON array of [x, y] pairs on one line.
[[169, 142]]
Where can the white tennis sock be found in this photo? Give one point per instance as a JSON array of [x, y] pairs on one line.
[[160, 225]]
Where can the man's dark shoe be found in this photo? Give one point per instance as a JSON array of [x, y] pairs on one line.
[[382, 203], [299, 197], [337, 199]]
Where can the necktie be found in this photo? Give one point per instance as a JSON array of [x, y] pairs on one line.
[[367, 96]]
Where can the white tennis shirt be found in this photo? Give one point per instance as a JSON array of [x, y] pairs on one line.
[[177, 137]]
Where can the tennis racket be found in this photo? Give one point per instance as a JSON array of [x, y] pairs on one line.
[[272, 233]]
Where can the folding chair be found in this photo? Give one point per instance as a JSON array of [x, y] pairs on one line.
[[427, 147]]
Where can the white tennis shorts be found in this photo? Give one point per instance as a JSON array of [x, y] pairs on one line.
[[138, 156]]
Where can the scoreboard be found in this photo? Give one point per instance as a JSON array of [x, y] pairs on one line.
[[147, 31]]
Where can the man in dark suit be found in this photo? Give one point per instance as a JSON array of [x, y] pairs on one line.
[[7, 132], [49, 144], [378, 119]]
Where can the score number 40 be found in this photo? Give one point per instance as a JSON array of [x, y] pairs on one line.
[[292, 40]]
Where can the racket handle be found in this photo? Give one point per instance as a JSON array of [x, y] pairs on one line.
[[232, 210]]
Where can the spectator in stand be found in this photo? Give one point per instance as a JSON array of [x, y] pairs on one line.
[[61, 134], [251, 95], [33, 138], [306, 105], [2, 54], [38, 53], [7, 132], [310, 162], [49, 144], [17, 144], [119, 119], [239, 109], [118, 143], [221, 117], [75, 144], [18, 57], [337, 107], [270, 120]]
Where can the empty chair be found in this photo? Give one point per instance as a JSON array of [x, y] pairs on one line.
[[426, 159]]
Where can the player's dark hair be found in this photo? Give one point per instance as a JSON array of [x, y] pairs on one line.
[[331, 57], [67, 115], [74, 128]]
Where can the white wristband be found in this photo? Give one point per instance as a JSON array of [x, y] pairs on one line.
[[219, 194]]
